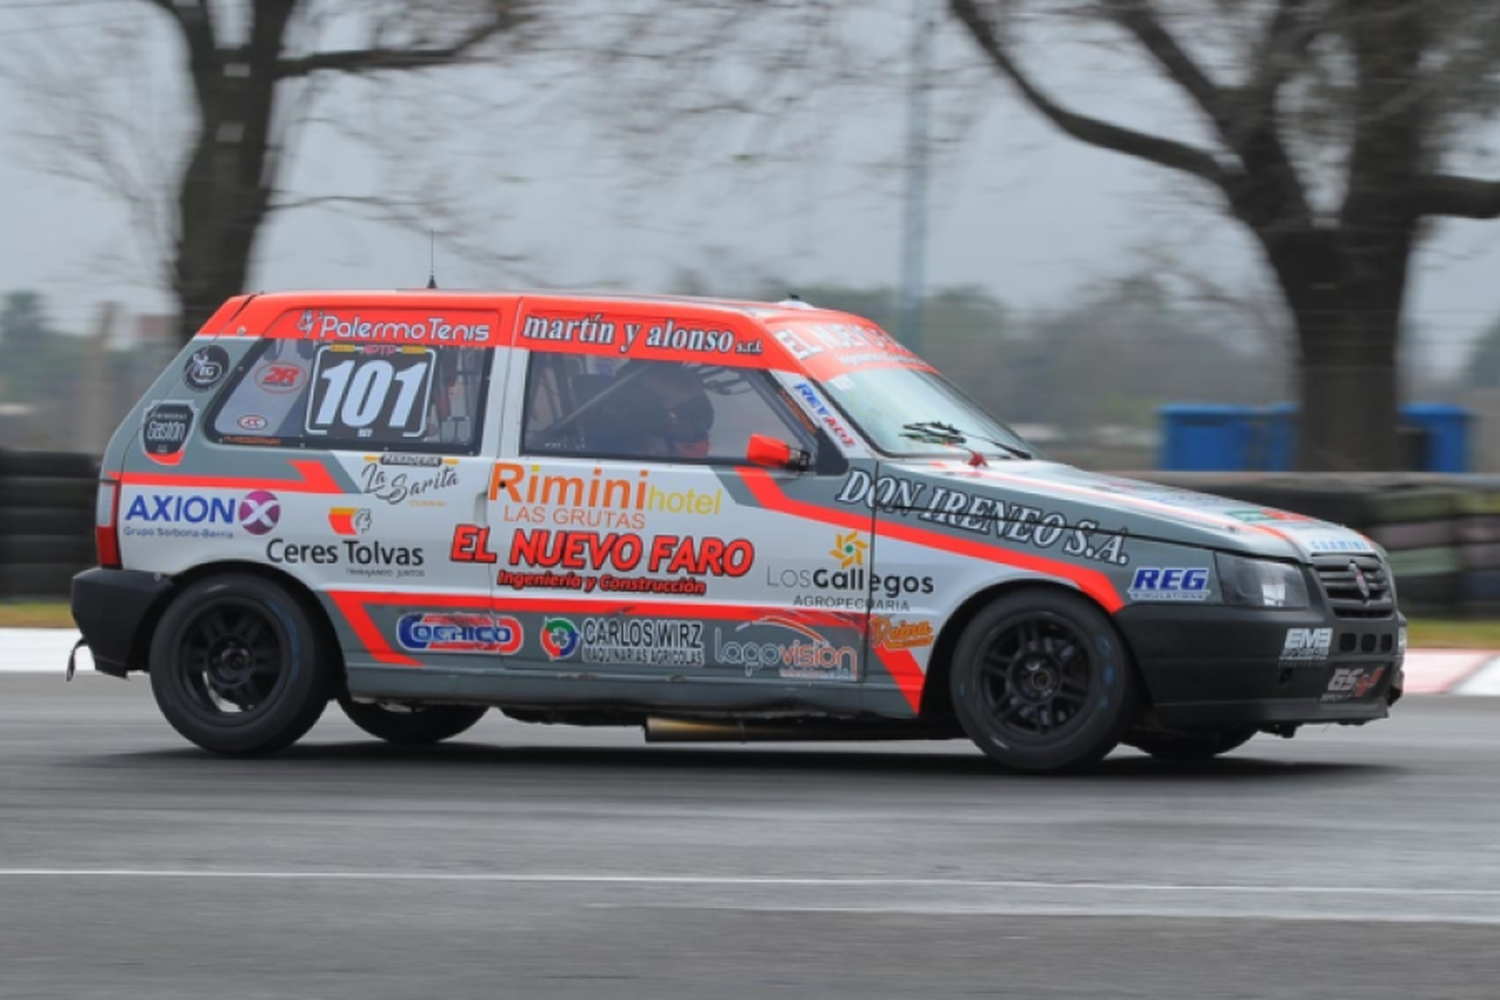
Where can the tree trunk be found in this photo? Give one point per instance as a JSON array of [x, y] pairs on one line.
[[226, 189], [1348, 384]]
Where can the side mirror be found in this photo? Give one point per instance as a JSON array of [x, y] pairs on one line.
[[773, 453]]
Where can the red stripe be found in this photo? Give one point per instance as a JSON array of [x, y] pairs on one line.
[[312, 477], [1090, 581], [906, 672]]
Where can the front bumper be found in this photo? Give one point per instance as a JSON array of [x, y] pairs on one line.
[[110, 607], [1217, 668]]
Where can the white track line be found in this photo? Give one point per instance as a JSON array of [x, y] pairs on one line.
[[1484, 681], [746, 880]]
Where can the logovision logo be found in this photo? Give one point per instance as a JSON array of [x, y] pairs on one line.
[[559, 638]]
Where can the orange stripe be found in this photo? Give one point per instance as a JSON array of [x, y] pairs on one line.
[[312, 477], [1090, 581]]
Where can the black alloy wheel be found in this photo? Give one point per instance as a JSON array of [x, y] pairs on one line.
[[1042, 681], [236, 666]]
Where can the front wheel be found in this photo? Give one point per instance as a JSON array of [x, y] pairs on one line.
[[1198, 746], [237, 667], [1042, 682], [412, 725]]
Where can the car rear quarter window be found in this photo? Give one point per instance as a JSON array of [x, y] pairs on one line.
[[297, 393]]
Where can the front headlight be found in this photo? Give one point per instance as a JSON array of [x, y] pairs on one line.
[[1259, 583]]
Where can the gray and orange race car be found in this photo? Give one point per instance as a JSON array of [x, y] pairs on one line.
[[715, 519]]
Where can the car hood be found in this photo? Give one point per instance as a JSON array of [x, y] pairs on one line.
[[1148, 510]]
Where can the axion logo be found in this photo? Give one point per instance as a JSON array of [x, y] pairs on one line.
[[260, 512], [849, 550], [559, 638]]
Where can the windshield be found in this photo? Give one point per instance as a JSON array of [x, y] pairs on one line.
[[896, 407]]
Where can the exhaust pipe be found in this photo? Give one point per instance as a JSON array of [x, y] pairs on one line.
[[663, 730]]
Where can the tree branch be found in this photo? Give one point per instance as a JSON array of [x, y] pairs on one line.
[[1093, 131], [377, 58], [1456, 197], [1137, 17]]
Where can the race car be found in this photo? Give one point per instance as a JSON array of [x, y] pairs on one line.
[[712, 519]]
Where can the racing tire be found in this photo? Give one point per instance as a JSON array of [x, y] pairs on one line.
[[416, 726], [1196, 746], [237, 666], [1041, 681]]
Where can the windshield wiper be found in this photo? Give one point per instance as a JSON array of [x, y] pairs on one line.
[[937, 432]]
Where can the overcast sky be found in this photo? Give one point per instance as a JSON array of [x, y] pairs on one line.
[[1028, 214]]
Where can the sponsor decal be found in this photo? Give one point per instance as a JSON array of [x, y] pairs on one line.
[[1339, 545], [593, 553], [471, 543], [667, 336], [808, 654], [260, 512], [849, 550], [1265, 514], [350, 520], [559, 638], [459, 633], [421, 461], [844, 345], [591, 501], [1306, 646], [469, 328], [281, 377], [985, 515], [416, 488], [1352, 683], [364, 559], [180, 516], [243, 439], [895, 633], [252, 422], [664, 642], [165, 432], [205, 368], [684, 586], [1169, 583], [825, 415]]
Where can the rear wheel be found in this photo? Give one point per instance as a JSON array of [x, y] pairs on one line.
[[1041, 681], [1197, 746], [237, 667], [412, 725]]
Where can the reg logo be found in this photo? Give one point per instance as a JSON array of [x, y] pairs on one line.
[[559, 638], [1169, 583]]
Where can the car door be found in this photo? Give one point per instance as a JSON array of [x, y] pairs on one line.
[[633, 540]]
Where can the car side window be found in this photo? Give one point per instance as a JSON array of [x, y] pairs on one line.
[[370, 396], [665, 411]]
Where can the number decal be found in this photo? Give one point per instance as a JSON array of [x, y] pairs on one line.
[[375, 393]]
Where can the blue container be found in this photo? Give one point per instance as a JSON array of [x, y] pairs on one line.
[[1278, 439], [1446, 428], [1204, 438]]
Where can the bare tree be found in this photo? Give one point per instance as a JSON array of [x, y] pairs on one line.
[[1332, 130], [255, 72]]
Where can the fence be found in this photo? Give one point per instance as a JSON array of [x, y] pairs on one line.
[[1442, 532]]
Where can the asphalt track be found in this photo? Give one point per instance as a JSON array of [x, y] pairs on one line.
[[535, 862]]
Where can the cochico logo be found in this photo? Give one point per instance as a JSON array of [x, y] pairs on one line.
[[260, 512], [455, 633], [559, 638]]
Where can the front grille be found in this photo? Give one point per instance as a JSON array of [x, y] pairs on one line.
[[1340, 575]]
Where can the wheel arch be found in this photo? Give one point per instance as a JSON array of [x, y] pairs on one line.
[[301, 593], [936, 704]]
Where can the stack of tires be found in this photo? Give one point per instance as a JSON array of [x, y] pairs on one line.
[[1479, 547], [46, 521], [1418, 525]]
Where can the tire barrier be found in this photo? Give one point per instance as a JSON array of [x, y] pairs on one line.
[[1442, 532], [46, 522]]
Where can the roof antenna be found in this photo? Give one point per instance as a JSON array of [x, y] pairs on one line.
[[431, 258]]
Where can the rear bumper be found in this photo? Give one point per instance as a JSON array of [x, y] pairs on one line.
[[110, 607], [1216, 668]]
